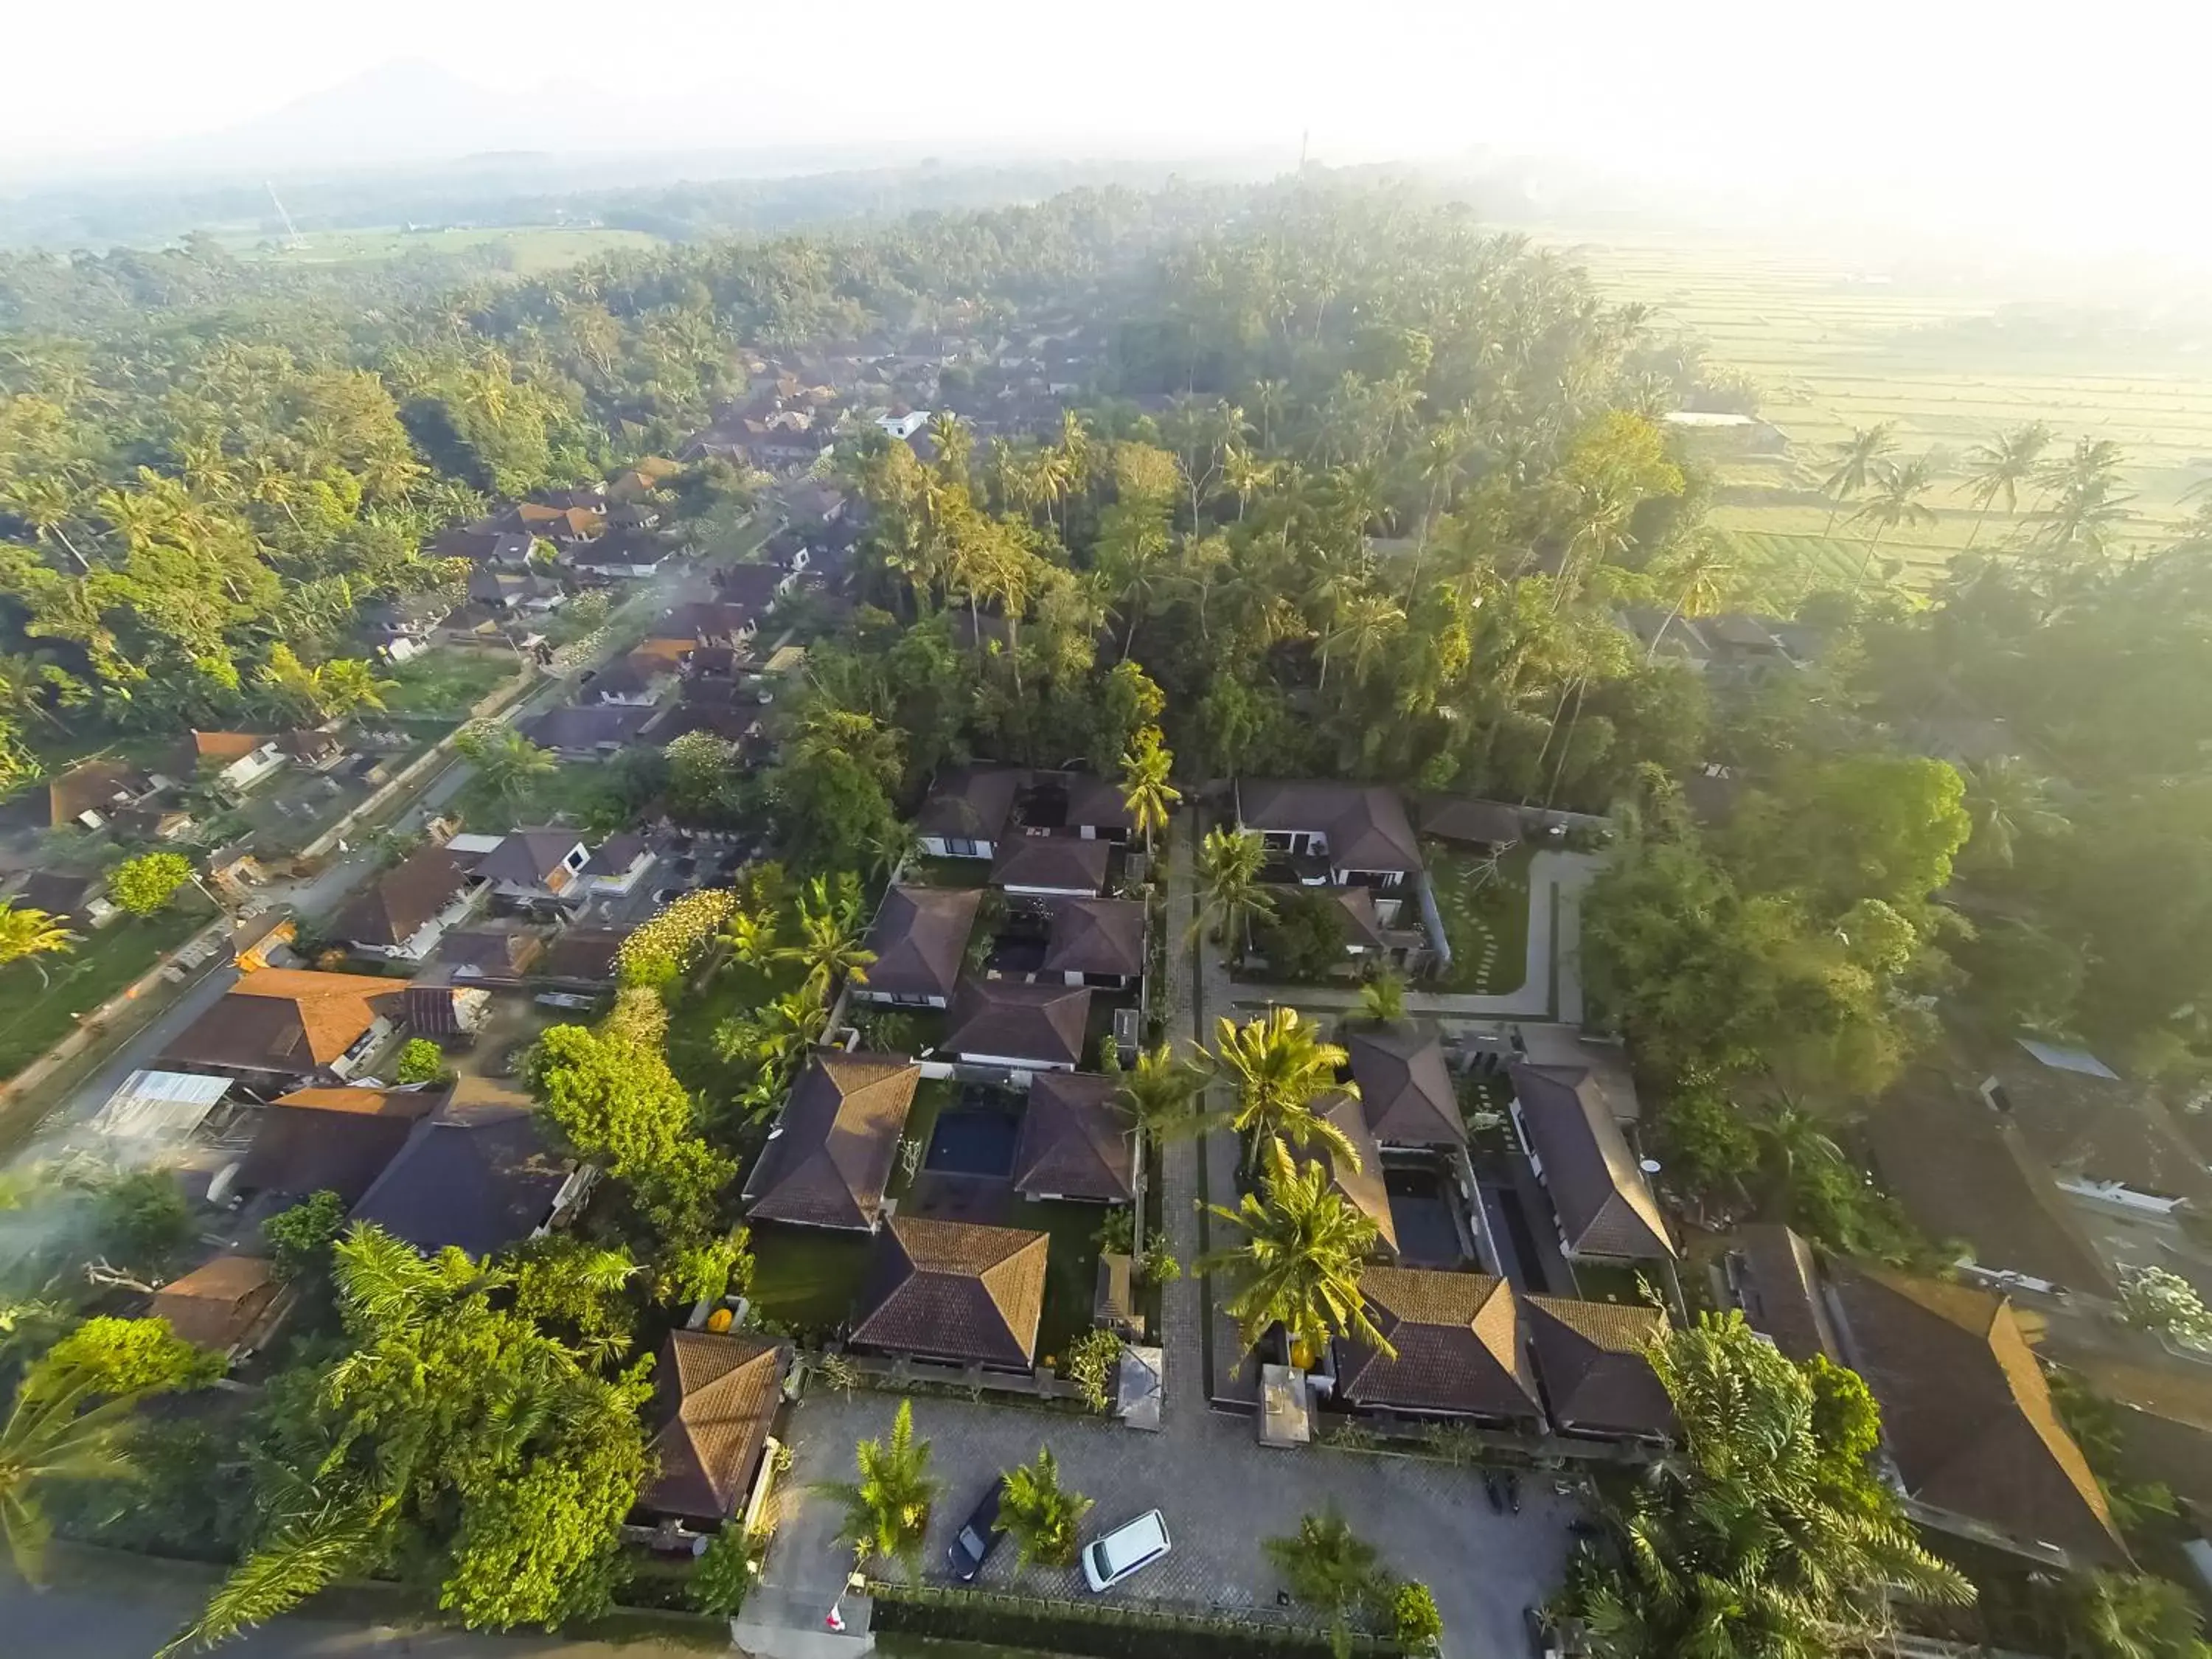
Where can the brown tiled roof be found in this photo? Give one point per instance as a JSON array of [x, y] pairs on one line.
[[363, 1102], [216, 1305], [198, 749], [1366, 824], [616, 855], [831, 1155], [1097, 803], [1060, 862], [1963, 1174], [477, 1174], [1043, 1022], [583, 954], [1482, 822], [970, 803], [1966, 1413], [1075, 1140], [1592, 1360], [1362, 1187], [920, 940], [92, 786], [1097, 936], [2101, 1129], [390, 909], [1404, 1087], [1461, 1345], [953, 1290], [1778, 1284], [493, 953], [1362, 925], [529, 858], [286, 1020], [1604, 1204], [715, 1398]]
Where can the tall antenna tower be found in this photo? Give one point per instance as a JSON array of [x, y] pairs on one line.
[[292, 241]]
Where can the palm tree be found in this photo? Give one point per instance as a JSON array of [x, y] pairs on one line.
[[1145, 787], [1700, 576], [1996, 470], [887, 1509], [1230, 897], [49, 1436], [1280, 1066], [1299, 1265], [1382, 999], [2006, 800], [830, 944], [1039, 1514], [1856, 462], [751, 937], [507, 761], [1330, 1568], [1161, 1094], [1897, 503], [26, 934], [1368, 622]]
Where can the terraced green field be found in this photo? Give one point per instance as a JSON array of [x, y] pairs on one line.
[[1950, 359]]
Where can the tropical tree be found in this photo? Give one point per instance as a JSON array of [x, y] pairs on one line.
[[1280, 1065], [2007, 800], [26, 934], [1770, 1530], [508, 763], [1039, 1514], [887, 1509], [2116, 1615], [1854, 462], [2164, 1301], [1299, 1263], [829, 947], [1331, 1568], [1230, 897], [1897, 503], [749, 936], [1996, 470], [1382, 999], [1162, 1094], [1699, 577], [145, 884], [1145, 787]]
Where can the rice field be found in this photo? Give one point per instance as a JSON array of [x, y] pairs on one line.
[[1951, 358]]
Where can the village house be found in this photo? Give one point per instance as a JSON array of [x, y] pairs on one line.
[[587, 734], [919, 937], [967, 812], [283, 1027], [476, 1174], [1339, 835], [715, 1397], [1600, 1198], [831, 1155], [1017, 1028], [1077, 1141], [535, 868], [405, 911], [955, 1292], [232, 761]]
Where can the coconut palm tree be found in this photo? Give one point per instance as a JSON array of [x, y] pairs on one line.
[[1161, 1094], [2006, 800], [508, 763], [1897, 503], [1298, 1264], [751, 937], [1230, 897], [1280, 1065], [1382, 999], [26, 934], [887, 1509], [1996, 470], [1039, 1514], [1145, 787], [1856, 462], [50, 1436], [1367, 623], [1699, 577], [828, 946]]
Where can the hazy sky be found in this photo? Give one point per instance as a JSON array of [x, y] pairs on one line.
[[2086, 117]]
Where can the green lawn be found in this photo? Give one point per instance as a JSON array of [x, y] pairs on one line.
[[931, 1096], [448, 683], [577, 791], [732, 989], [947, 872], [1480, 912], [1072, 1280], [109, 959], [808, 1279]]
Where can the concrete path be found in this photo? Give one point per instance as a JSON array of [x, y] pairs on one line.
[[1551, 985]]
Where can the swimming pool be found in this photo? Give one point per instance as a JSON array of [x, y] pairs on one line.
[[972, 1143], [1421, 1211]]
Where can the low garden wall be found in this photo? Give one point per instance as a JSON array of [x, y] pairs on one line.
[[1107, 1629]]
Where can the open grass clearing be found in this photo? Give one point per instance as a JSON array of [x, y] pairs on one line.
[[1485, 915], [41, 1013], [808, 1279], [448, 683]]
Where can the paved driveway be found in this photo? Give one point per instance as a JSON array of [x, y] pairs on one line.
[[1222, 1492]]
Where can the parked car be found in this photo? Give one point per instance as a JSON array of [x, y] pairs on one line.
[[978, 1536], [1129, 1549]]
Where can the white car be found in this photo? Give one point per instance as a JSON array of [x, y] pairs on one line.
[[1129, 1549]]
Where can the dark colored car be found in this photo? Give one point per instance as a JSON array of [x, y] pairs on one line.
[[978, 1536]]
